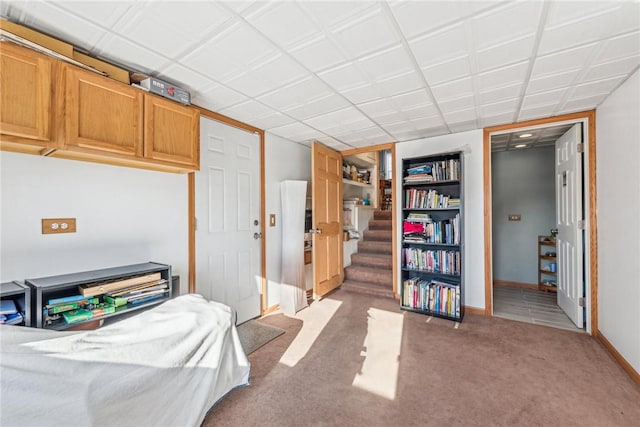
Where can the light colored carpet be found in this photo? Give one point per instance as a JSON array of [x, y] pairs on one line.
[[254, 335]]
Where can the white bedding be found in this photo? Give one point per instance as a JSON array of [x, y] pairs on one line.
[[164, 367]]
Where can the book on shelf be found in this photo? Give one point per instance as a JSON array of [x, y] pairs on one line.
[[75, 316], [60, 308], [146, 299], [8, 306], [63, 300], [12, 318], [432, 295], [92, 289], [156, 284]]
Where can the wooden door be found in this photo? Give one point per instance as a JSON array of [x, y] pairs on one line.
[[102, 115], [171, 132], [326, 177], [569, 214], [227, 192], [25, 95]]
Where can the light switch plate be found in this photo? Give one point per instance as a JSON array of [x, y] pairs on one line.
[[514, 217], [58, 225]]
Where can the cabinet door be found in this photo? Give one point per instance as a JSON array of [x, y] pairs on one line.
[[102, 115], [171, 132], [25, 95]]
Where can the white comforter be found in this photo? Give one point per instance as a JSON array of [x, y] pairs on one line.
[[164, 367]]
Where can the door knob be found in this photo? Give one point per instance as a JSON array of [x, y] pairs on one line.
[[257, 235], [315, 230]]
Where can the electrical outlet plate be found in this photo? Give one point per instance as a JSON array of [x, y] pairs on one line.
[[514, 217], [58, 225], [272, 220]]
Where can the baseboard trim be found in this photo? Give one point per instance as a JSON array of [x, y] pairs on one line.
[[619, 358], [514, 284], [474, 310]]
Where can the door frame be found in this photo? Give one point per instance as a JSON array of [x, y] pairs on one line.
[[589, 183], [377, 148], [191, 180]]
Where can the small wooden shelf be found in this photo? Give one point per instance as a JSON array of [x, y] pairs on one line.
[[356, 183], [545, 261]]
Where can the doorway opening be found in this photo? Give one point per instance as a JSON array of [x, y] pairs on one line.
[[545, 251]]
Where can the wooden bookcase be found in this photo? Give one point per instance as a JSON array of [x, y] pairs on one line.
[[547, 264], [46, 288], [432, 254]]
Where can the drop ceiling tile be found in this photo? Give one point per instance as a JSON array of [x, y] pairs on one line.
[[428, 122], [318, 54], [376, 107], [153, 25], [387, 63], [296, 132], [455, 104], [329, 13], [242, 7], [218, 97], [454, 89], [400, 84], [343, 116], [563, 12], [420, 112], [396, 127], [419, 17], [620, 18], [296, 94], [420, 134], [348, 127], [506, 53], [460, 116], [184, 77], [366, 34], [619, 67], [344, 77], [620, 47], [497, 139], [506, 76], [130, 55], [284, 23], [250, 84], [247, 110], [499, 119], [446, 71], [333, 143], [360, 94], [281, 70], [499, 94], [389, 118], [566, 60], [318, 107], [242, 44], [411, 99], [550, 82], [543, 98], [271, 121], [502, 24], [463, 126], [597, 87], [441, 46], [103, 13], [537, 112], [508, 106], [50, 20], [582, 103]]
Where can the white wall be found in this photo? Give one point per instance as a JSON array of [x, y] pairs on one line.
[[124, 216], [522, 182], [471, 144], [283, 160], [618, 190]]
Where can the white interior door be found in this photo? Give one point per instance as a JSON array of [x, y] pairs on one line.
[[227, 191], [569, 211]]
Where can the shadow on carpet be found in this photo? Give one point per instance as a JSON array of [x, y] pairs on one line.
[[254, 335]]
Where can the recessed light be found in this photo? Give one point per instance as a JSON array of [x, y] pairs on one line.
[[520, 146], [525, 135]]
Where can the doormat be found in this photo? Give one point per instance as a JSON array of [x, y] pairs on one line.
[[254, 335]]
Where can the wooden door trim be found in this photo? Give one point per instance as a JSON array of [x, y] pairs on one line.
[[379, 147], [590, 117], [192, 207]]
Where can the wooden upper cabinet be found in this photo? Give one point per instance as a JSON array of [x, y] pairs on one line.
[[171, 132], [25, 97], [101, 115]]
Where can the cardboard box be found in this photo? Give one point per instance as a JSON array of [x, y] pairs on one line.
[[43, 40], [112, 71]]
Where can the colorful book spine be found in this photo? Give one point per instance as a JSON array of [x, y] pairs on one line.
[[70, 306], [115, 301], [75, 316]]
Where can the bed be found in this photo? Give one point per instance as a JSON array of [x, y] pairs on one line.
[[167, 366]]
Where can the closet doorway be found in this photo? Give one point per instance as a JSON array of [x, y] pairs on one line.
[[528, 194]]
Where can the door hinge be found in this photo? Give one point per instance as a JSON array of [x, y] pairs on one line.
[[581, 224], [580, 148], [581, 302]]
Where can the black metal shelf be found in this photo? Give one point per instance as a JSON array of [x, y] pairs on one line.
[[457, 208], [443, 245], [428, 184], [435, 313], [435, 273]]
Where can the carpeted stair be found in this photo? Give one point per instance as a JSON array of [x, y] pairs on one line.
[[371, 271]]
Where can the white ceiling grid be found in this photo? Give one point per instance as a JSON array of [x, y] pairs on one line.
[[359, 73]]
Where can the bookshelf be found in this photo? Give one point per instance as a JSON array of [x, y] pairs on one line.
[[432, 236], [21, 296], [98, 284], [547, 264]]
